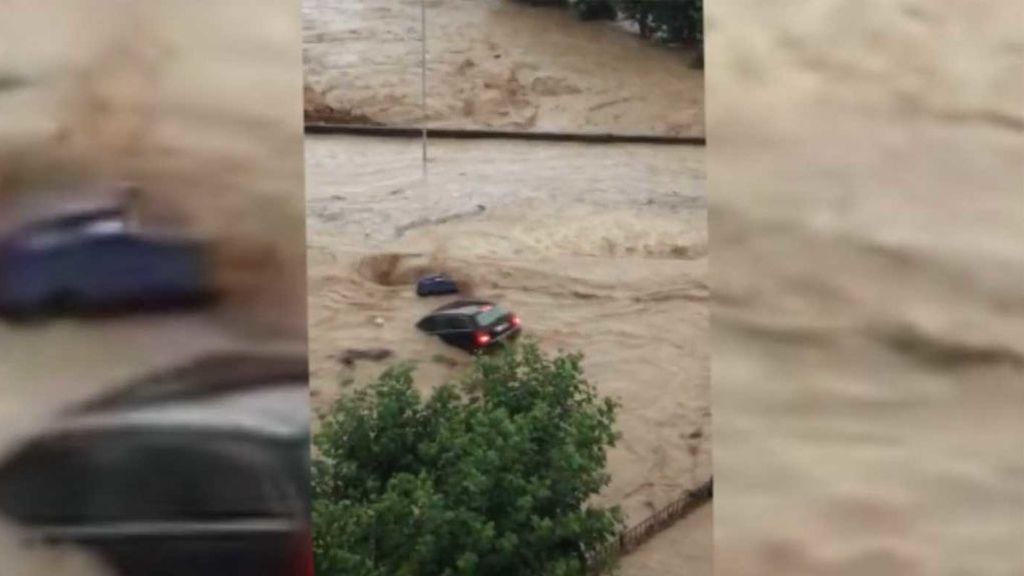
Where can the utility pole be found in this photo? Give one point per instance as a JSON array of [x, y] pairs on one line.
[[423, 81]]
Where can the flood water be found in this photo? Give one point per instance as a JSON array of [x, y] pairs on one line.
[[599, 248]]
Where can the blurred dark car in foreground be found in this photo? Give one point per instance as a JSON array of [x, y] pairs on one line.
[[472, 325], [197, 471], [95, 261]]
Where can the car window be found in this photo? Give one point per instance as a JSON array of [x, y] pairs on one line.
[[296, 456], [429, 323], [114, 478], [104, 226], [188, 479], [491, 315], [46, 238], [46, 482], [453, 322]]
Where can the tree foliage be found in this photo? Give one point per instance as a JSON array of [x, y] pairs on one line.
[[666, 20], [491, 476], [669, 21], [593, 9]]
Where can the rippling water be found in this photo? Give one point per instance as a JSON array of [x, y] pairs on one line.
[[867, 171], [497, 64], [601, 249]]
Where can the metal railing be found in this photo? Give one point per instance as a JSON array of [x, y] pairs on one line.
[[632, 538], [318, 125]]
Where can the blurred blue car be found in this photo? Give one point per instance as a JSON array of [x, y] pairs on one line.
[[91, 261], [436, 285]]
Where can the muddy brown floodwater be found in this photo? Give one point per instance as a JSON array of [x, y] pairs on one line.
[[599, 248], [496, 64], [867, 163], [203, 115]]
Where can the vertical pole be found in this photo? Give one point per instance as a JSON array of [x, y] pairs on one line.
[[423, 81]]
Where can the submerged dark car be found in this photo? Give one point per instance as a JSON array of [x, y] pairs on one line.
[[436, 285], [472, 325], [199, 471], [96, 261]]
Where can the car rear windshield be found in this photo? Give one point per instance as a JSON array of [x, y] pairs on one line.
[[491, 315], [148, 478]]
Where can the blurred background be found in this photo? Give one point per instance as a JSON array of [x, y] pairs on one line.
[[151, 214], [867, 209]]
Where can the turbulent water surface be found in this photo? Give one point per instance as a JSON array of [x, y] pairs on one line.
[[599, 248], [204, 115], [867, 168], [497, 64]]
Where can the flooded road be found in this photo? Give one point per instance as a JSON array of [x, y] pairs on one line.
[[599, 248]]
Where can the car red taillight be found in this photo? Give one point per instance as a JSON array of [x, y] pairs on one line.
[[303, 565], [515, 320], [482, 338]]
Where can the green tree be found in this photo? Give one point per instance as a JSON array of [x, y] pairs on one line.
[[593, 9], [666, 20], [670, 21], [491, 476]]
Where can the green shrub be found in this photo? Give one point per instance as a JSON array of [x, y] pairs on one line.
[[493, 476]]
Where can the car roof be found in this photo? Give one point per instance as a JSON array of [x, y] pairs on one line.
[[204, 376], [463, 307], [254, 393], [78, 218], [280, 412]]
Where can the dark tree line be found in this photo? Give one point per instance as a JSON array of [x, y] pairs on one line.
[[676, 22], [670, 21]]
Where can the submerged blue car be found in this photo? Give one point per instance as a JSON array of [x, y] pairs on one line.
[[94, 260], [435, 285]]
